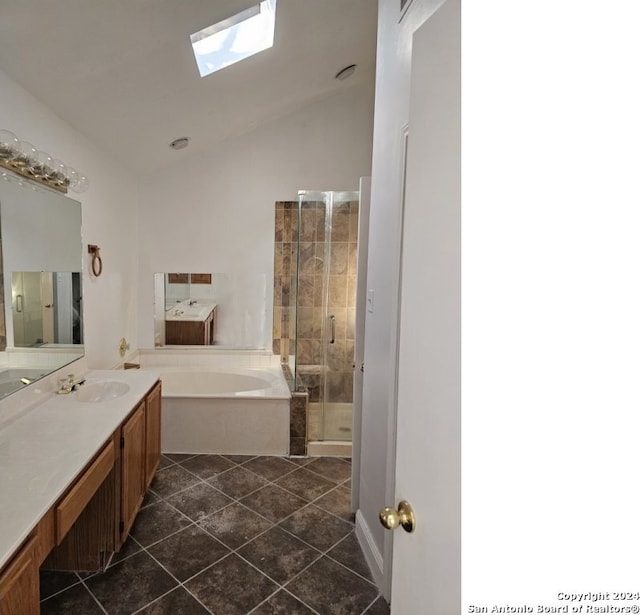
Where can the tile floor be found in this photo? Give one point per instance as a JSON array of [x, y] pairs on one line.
[[232, 535]]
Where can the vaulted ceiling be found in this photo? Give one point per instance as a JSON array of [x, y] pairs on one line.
[[122, 72]]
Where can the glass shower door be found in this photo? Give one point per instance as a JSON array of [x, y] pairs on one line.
[[327, 249]]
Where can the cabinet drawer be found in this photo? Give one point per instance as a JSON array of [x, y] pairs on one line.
[[69, 509]]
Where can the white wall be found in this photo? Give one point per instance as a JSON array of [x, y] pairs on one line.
[[109, 219], [214, 214], [217, 213], [379, 395]]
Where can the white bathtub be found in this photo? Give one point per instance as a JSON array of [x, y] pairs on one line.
[[222, 383], [210, 407]]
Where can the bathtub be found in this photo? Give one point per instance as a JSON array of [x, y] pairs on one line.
[[212, 407]]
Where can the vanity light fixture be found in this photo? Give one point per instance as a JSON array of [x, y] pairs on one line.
[[23, 158]]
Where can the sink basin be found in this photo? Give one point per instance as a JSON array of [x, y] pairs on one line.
[[101, 391]]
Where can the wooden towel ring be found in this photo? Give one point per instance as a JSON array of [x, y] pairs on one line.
[[96, 260]]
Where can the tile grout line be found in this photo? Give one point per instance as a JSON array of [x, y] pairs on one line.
[[180, 584], [273, 525], [93, 596], [233, 499]]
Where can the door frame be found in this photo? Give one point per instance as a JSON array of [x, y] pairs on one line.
[[358, 354]]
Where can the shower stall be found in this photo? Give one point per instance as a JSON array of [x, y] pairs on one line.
[[315, 307]]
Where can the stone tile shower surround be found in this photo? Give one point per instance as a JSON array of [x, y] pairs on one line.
[[306, 343], [284, 279]]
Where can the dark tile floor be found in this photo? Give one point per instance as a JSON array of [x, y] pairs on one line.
[[232, 535]]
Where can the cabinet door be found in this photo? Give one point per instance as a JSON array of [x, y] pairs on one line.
[[152, 456], [133, 467], [20, 583]]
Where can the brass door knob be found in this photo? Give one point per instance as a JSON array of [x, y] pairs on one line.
[[392, 518]]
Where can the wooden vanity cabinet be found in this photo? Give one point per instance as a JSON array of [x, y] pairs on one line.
[[140, 457], [20, 582], [132, 459], [153, 432], [93, 517], [83, 518], [191, 332]]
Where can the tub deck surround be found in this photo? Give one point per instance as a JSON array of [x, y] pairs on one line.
[[265, 383], [44, 448], [221, 402]]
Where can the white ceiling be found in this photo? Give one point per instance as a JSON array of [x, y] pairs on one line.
[[122, 72]]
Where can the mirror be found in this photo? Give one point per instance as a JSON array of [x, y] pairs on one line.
[[211, 309], [42, 282], [46, 308]]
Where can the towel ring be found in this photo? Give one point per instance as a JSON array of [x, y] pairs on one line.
[[96, 260]]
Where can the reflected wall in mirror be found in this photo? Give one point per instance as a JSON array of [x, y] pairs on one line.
[[41, 265], [46, 308], [196, 309]]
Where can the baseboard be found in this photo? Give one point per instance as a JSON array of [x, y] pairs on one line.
[[329, 448], [371, 552]]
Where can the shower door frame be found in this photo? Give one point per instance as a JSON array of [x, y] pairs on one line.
[[328, 323]]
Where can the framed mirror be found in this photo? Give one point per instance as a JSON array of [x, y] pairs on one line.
[[40, 234]]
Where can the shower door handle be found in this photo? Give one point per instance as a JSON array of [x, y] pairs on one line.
[[19, 303], [332, 320]]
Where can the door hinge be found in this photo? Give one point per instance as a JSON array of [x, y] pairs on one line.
[[121, 441], [121, 527]]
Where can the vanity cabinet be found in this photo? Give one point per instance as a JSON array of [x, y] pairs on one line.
[[132, 449], [20, 582], [94, 515], [140, 457], [153, 432], [191, 332]]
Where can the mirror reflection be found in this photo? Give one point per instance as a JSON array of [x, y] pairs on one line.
[[229, 309], [186, 308], [41, 260], [46, 308]]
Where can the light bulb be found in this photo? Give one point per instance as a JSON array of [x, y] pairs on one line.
[[72, 177], [27, 155], [59, 172], [42, 166], [81, 184], [8, 145]]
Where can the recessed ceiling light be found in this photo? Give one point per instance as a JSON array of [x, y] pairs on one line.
[[180, 143], [346, 72]]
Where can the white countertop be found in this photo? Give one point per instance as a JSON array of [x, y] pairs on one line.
[[198, 312], [45, 448]]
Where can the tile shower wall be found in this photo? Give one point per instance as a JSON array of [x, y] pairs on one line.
[[340, 295], [284, 278]]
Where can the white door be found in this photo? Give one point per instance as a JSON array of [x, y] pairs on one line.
[[426, 563]]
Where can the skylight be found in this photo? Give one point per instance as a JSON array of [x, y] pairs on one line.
[[235, 39]]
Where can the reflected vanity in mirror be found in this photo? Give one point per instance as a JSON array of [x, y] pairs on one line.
[[186, 308], [238, 299], [41, 317]]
